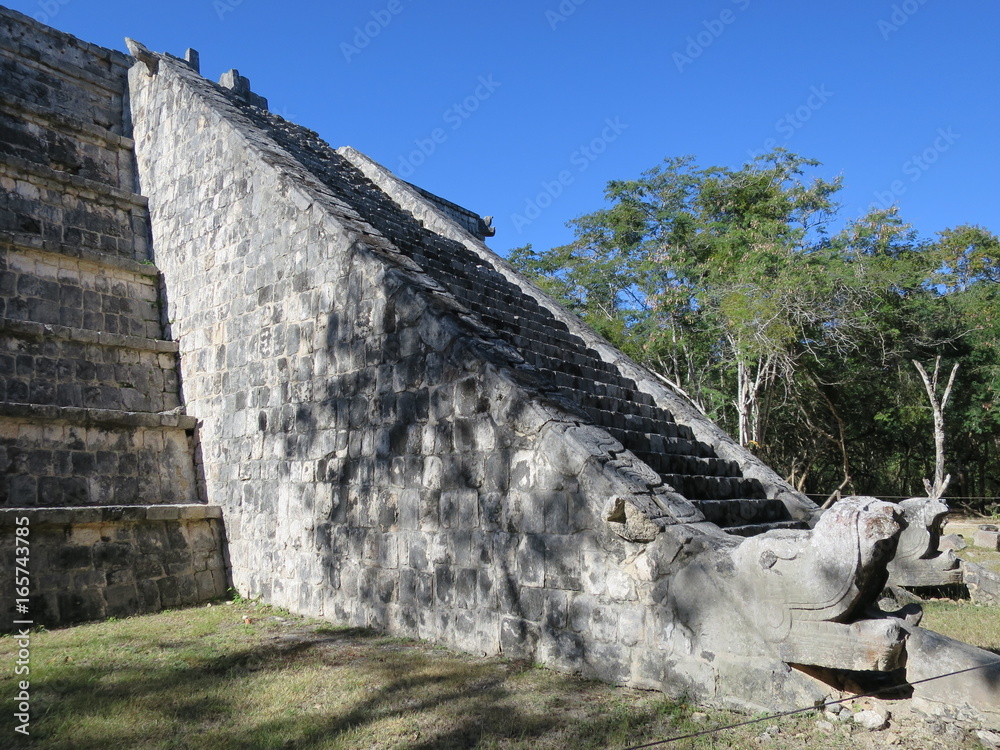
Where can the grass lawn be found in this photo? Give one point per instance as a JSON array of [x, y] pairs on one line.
[[240, 676], [966, 527]]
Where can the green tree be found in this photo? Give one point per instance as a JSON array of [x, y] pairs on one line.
[[731, 287]]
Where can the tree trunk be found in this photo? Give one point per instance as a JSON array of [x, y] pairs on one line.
[[941, 480]]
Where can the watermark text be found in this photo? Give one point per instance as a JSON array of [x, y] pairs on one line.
[[793, 121], [713, 29], [22, 625], [580, 160], [916, 167], [366, 32], [49, 9], [454, 117], [900, 16], [562, 12]]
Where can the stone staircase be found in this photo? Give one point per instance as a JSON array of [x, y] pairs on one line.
[[564, 364], [89, 392]]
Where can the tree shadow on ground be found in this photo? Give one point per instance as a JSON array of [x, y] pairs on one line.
[[415, 697]]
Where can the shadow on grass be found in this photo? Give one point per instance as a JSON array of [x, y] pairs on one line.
[[430, 699]]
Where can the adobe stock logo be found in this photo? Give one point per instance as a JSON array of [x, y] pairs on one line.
[[582, 158], [901, 14], [49, 9], [562, 12], [916, 167], [365, 33], [455, 117], [223, 7], [795, 120], [713, 29]]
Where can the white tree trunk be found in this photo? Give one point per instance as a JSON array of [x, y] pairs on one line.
[[749, 381], [941, 480]]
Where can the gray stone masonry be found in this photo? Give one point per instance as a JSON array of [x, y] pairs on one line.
[[58, 456], [56, 206], [399, 431], [394, 446], [57, 71], [42, 284], [89, 389], [74, 147], [690, 453], [405, 435], [475, 225], [88, 564], [46, 364]]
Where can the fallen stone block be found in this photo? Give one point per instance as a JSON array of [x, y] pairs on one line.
[[953, 542], [983, 583], [952, 680], [988, 539]]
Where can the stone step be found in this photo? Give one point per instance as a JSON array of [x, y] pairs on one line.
[[62, 366], [742, 511], [95, 95], [762, 528], [671, 438], [577, 371], [58, 456], [65, 144], [61, 207], [92, 291], [44, 45], [668, 442], [697, 487], [32, 243], [667, 463]]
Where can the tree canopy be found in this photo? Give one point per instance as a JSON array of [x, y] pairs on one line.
[[792, 326]]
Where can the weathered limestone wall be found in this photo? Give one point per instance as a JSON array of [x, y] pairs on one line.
[[61, 457], [88, 564], [89, 388], [437, 217], [401, 432], [380, 457]]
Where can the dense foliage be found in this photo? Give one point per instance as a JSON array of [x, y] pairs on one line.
[[735, 288]]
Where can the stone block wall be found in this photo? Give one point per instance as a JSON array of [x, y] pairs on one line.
[[54, 71], [42, 283], [58, 457], [382, 457], [401, 432], [63, 366], [42, 202], [76, 148], [89, 391], [88, 564]]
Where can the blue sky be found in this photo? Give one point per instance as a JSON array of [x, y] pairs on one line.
[[524, 110]]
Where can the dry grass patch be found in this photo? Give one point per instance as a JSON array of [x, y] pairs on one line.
[[205, 678], [966, 527], [972, 623]]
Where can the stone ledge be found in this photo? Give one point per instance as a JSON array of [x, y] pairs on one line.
[[96, 417], [33, 243], [66, 123], [114, 57], [29, 57], [15, 167], [29, 329], [108, 514]]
